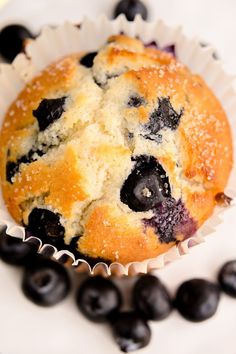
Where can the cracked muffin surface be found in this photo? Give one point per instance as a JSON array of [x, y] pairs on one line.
[[116, 155]]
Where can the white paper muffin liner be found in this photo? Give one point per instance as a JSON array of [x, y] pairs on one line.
[[54, 43]]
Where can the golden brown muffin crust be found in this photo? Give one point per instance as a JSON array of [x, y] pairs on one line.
[[86, 156]]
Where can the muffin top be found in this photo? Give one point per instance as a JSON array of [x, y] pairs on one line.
[[115, 155]]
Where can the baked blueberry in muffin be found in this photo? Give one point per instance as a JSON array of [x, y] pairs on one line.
[[116, 154]]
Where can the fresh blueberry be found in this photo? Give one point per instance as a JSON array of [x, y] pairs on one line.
[[131, 8], [45, 282], [48, 111], [227, 278], [197, 299], [12, 39], [88, 59], [98, 299], [135, 101], [14, 251], [146, 186], [163, 117], [131, 332], [151, 298], [45, 224]]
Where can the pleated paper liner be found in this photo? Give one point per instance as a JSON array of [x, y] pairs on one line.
[[54, 43]]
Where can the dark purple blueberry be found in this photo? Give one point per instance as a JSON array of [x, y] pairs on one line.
[[171, 218], [88, 59], [163, 117], [227, 278], [45, 282], [131, 8], [131, 332], [151, 298], [98, 299], [135, 101], [48, 111], [45, 224], [146, 186], [197, 299], [11, 169], [14, 251], [12, 39]]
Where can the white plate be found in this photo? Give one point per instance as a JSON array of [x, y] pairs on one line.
[[26, 328]]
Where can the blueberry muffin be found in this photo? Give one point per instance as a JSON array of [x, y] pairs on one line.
[[115, 155]]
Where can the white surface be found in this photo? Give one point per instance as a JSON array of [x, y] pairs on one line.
[[25, 328]]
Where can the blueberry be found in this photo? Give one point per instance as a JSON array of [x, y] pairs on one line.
[[11, 169], [197, 299], [227, 278], [12, 39], [131, 332], [14, 251], [163, 117], [45, 282], [135, 101], [88, 59], [151, 298], [171, 218], [98, 299], [48, 111], [46, 225], [131, 8], [146, 186]]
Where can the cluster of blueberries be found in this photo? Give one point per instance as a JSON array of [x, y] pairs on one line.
[[12, 37], [46, 282]]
